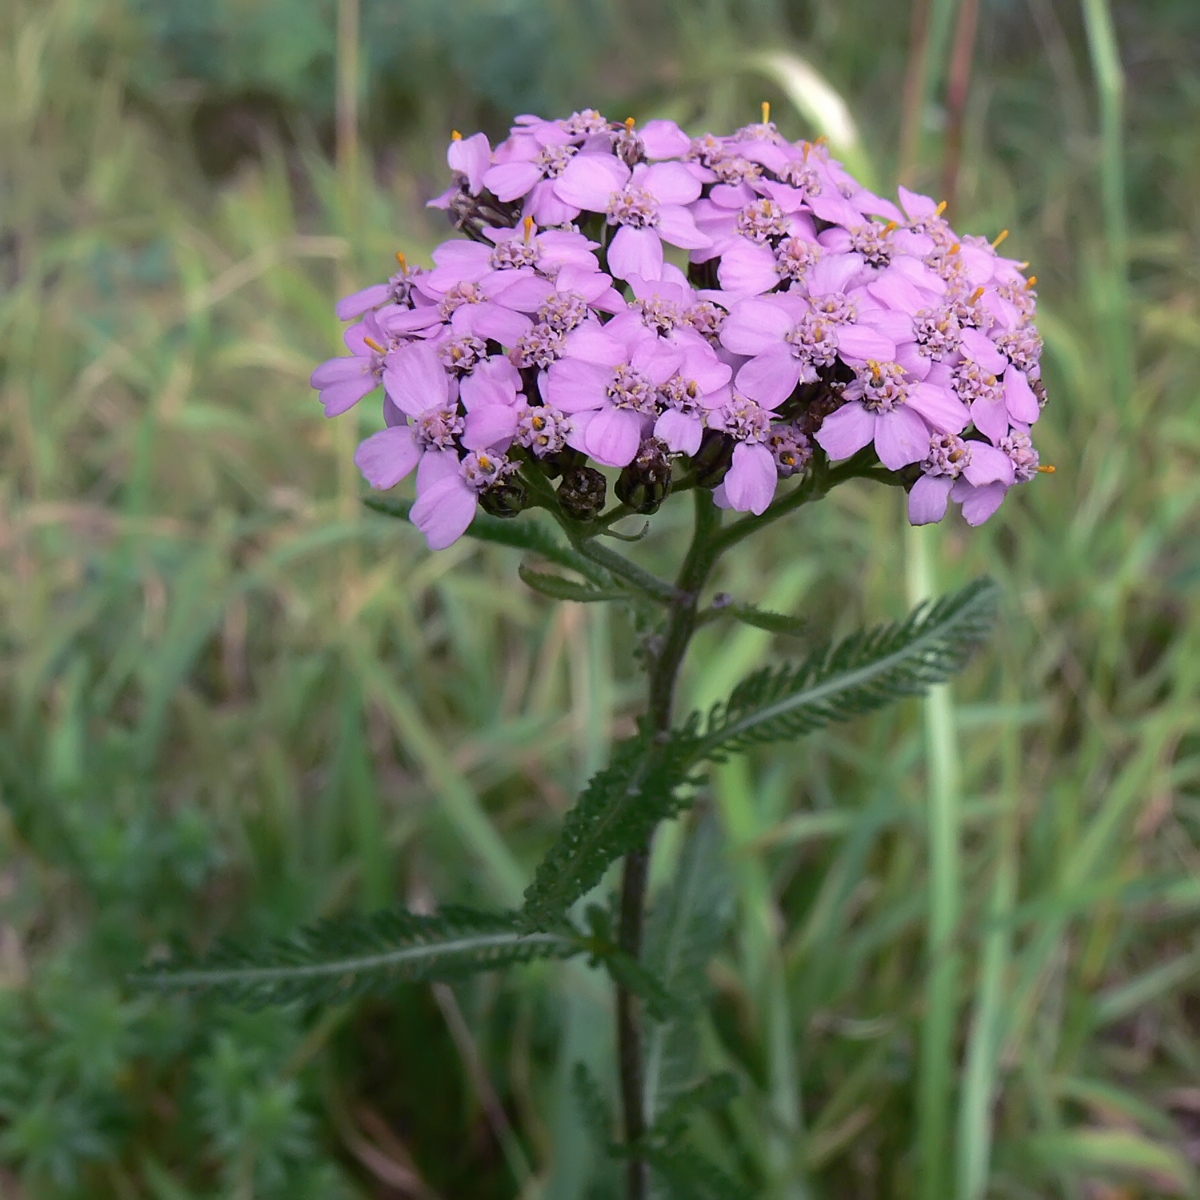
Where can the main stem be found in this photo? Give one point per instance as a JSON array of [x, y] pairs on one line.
[[681, 624]]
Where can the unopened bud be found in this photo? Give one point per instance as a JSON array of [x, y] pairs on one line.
[[506, 498], [582, 493], [710, 464], [646, 482]]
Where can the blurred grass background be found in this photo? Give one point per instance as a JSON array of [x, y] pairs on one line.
[[232, 701]]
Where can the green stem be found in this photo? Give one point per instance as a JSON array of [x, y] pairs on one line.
[[701, 557]]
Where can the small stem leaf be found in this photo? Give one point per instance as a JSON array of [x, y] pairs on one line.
[[525, 533], [350, 956], [619, 807], [772, 622], [855, 676], [558, 588]]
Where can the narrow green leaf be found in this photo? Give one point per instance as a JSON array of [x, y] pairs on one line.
[[350, 956], [558, 588], [619, 807], [772, 622], [855, 676]]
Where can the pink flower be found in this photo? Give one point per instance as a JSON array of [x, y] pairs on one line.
[[887, 407], [648, 204], [749, 485], [975, 474]]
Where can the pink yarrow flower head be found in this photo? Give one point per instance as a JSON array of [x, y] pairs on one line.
[[738, 309]]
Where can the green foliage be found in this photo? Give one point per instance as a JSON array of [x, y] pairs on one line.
[[558, 588], [856, 676], [772, 622], [344, 957], [617, 810]]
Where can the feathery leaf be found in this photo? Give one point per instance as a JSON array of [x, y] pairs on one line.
[[619, 807], [349, 956], [855, 676]]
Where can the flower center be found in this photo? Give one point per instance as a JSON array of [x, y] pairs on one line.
[[586, 122], [552, 161], [538, 348], [761, 221], [1023, 347], [458, 295], [515, 252], [948, 455], [747, 421], [874, 242], [801, 175], [437, 428], [462, 353], [635, 207], [937, 331], [543, 430], [972, 383], [659, 314], [631, 389], [883, 386], [793, 258], [1024, 457], [483, 468], [682, 395], [814, 339]]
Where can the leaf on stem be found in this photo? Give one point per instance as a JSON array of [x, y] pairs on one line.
[[350, 956], [558, 588], [772, 622], [857, 675], [619, 807]]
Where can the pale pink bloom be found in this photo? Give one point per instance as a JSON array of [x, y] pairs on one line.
[[698, 389]]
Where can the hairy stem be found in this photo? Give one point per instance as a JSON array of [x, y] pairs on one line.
[[697, 566]]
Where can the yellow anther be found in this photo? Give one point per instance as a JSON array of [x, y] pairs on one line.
[[529, 227], [821, 140], [955, 248], [891, 226], [455, 136], [1032, 282], [401, 259], [975, 295], [766, 111], [941, 208], [374, 345], [630, 123], [1047, 470], [1003, 235]]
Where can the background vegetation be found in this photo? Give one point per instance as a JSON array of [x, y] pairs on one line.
[[231, 700]]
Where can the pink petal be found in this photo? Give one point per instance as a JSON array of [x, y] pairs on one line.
[[860, 342], [1018, 395], [982, 349], [671, 183], [928, 499], [990, 417], [546, 208], [770, 378], [677, 226], [361, 302], [488, 425], [940, 407], [750, 484], [681, 433], [978, 503], [590, 180], [340, 397], [512, 179], [755, 325], [592, 343], [988, 465], [388, 456], [901, 437], [664, 139], [613, 436], [635, 252], [574, 385], [490, 320], [470, 157], [492, 382], [416, 380], [847, 431], [747, 268], [444, 512], [916, 205]]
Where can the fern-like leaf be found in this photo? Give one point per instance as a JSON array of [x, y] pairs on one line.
[[350, 956], [855, 676], [619, 807]]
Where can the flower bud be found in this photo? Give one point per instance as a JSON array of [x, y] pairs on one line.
[[710, 464], [582, 493], [505, 499], [645, 483]]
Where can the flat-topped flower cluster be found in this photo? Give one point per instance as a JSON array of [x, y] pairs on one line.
[[813, 318]]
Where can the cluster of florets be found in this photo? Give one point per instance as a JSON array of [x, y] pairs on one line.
[[813, 318]]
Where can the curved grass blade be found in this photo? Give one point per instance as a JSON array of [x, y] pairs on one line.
[[340, 958], [857, 675]]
